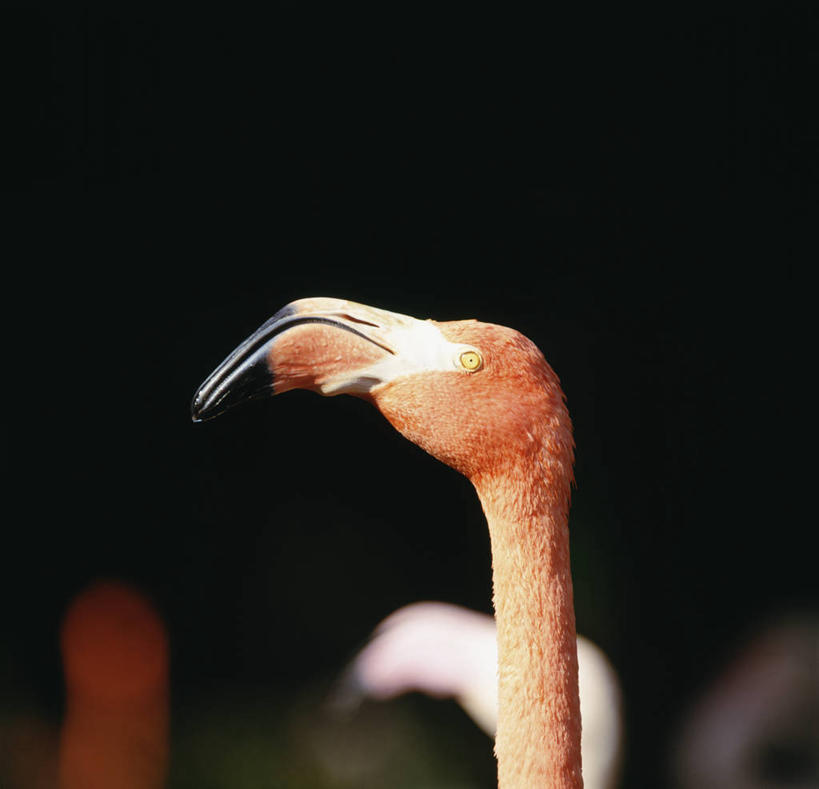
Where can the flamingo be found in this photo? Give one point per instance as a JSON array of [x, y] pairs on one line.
[[446, 650], [482, 399], [115, 655], [756, 725]]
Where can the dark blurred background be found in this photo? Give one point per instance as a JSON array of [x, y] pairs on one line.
[[633, 191]]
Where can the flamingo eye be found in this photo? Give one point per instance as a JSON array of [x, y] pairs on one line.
[[471, 361]]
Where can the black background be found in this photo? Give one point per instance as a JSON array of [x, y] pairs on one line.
[[632, 191]]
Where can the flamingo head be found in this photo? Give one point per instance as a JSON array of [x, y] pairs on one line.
[[471, 394]]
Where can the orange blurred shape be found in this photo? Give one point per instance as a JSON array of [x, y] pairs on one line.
[[115, 660]]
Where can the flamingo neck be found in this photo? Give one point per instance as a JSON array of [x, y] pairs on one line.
[[538, 734]]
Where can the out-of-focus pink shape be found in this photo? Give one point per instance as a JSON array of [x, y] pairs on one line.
[[115, 660], [757, 725], [448, 651]]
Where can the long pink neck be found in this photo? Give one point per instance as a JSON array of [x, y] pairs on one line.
[[538, 735]]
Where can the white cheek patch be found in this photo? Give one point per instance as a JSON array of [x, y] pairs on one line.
[[418, 347], [424, 348]]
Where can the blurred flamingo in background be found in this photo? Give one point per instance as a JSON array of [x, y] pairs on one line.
[[115, 658], [482, 399], [448, 651], [757, 725]]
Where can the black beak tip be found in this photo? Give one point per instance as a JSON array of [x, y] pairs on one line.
[[198, 408], [227, 388], [244, 375]]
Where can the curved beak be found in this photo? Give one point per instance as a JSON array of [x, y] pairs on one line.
[[330, 346]]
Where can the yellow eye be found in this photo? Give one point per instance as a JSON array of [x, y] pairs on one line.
[[471, 360]]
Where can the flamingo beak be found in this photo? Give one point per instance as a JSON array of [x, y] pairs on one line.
[[326, 345]]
